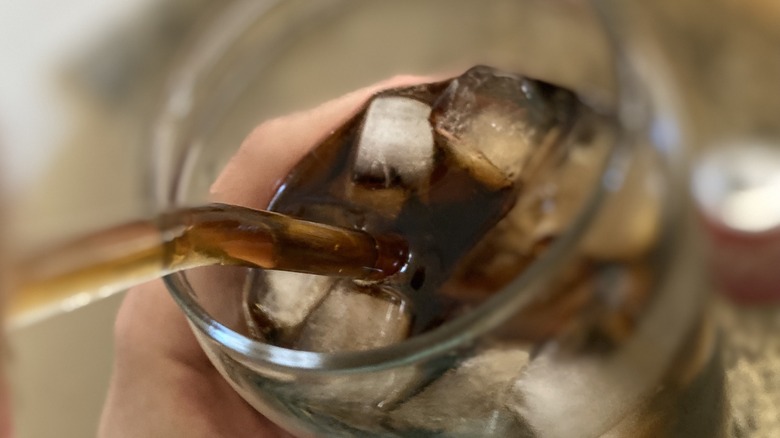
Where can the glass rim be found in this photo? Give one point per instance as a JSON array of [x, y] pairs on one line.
[[459, 332]]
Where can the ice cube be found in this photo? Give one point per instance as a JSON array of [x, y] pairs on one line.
[[395, 143], [501, 256], [501, 126], [360, 399], [284, 299], [555, 196], [468, 400], [592, 392], [354, 317], [548, 203]]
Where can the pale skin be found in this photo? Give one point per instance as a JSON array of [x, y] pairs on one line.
[[163, 385]]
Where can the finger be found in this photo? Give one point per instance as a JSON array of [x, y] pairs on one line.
[[162, 377], [149, 324]]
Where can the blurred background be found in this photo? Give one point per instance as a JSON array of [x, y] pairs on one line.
[[78, 84]]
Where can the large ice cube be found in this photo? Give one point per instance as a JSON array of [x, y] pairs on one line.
[[468, 400], [548, 203], [284, 300], [556, 195], [354, 317], [395, 143], [502, 126], [360, 399]]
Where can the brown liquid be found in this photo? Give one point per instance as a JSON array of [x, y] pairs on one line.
[[443, 220], [439, 224], [216, 234], [470, 230], [236, 236]]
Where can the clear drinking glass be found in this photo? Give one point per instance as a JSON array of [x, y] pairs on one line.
[[630, 366], [710, 70]]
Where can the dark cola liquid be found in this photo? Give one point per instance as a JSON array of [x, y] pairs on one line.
[[444, 214], [440, 224], [480, 175]]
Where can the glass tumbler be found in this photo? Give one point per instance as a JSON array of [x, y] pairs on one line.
[[711, 71], [631, 354]]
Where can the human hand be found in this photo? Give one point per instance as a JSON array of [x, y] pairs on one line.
[[163, 384]]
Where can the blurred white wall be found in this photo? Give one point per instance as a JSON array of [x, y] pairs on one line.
[[78, 79], [37, 38]]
